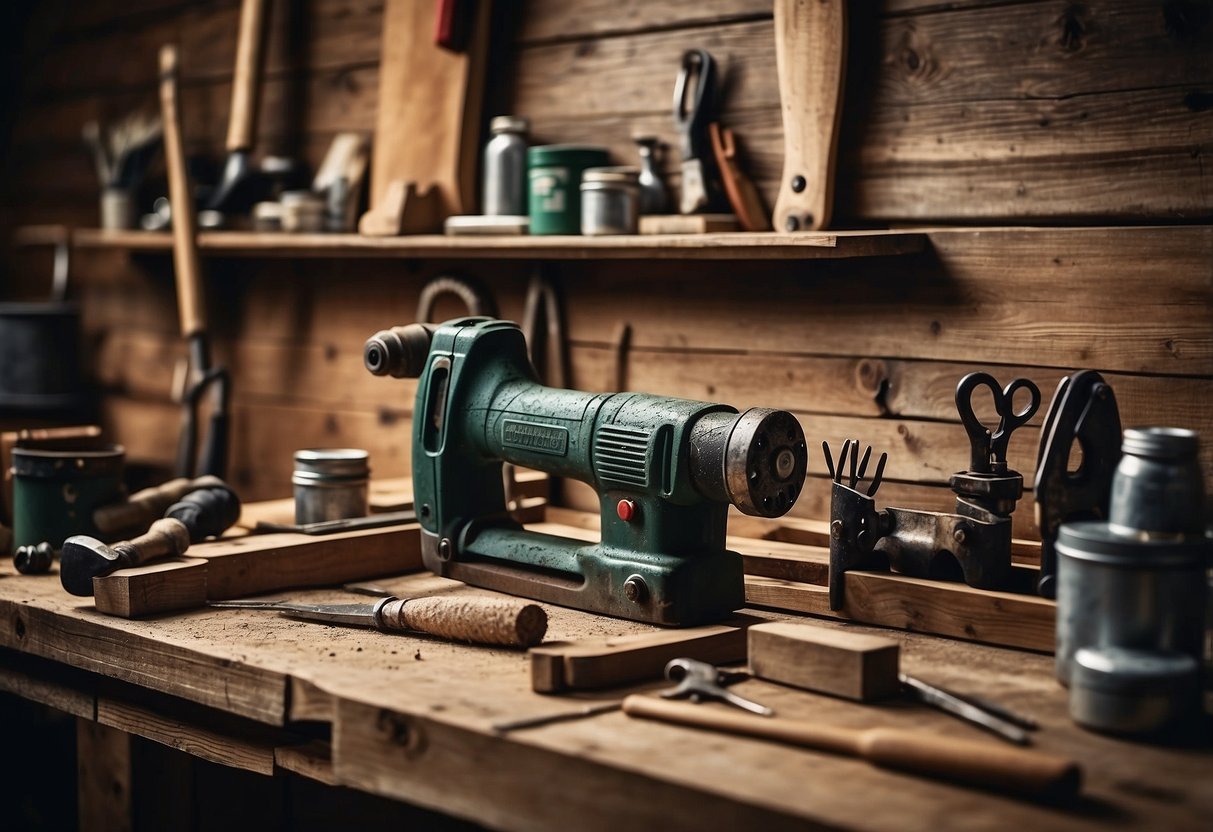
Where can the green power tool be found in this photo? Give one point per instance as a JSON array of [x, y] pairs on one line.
[[665, 470]]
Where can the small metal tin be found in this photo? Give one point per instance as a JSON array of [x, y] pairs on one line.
[[1134, 692], [330, 484], [56, 491], [1158, 488], [1114, 590], [505, 165], [554, 185], [302, 212], [610, 201]]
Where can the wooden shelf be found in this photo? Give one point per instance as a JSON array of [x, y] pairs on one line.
[[731, 246]]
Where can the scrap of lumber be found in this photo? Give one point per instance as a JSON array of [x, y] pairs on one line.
[[609, 662], [918, 605], [253, 564], [854, 666]]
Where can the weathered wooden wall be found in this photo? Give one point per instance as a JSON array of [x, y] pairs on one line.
[[986, 113]]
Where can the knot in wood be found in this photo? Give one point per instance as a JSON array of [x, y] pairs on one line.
[[402, 731]]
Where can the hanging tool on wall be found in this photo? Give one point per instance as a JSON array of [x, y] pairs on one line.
[[244, 181], [665, 469], [206, 381], [1083, 411], [207, 512], [694, 109], [810, 53], [975, 541]]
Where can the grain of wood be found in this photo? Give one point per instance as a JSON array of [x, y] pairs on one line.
[[904, 603], [224, 747], [615, 662], [70, 698], [103, 777], [854, 666], [178, 584]]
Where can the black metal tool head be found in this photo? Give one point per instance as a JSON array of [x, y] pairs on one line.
[[989, 447], [84, 558]]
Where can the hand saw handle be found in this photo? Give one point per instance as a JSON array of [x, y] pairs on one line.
[[810, 53]]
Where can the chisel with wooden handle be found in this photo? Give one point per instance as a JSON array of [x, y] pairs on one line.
[[810, 53], [1016, 771], [502, 621]]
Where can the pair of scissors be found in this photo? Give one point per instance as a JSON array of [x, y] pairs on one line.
[[989, 448], [692, 114]]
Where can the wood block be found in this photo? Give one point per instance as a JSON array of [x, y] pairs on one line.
[[178, 584], [851, 665], [687, 223], [257, 563], [609, 662]]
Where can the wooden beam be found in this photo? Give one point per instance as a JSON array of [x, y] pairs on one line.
[[946, 609], [103, 777], [253, 564], [618, 661]]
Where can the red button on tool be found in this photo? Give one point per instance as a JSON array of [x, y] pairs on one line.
[[626, 510]]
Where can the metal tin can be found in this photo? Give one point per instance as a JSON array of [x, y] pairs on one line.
[[1158, 488], [610, 199], [330, 484], [1133, 692], [554, 185], [56, 491], [504, 192]]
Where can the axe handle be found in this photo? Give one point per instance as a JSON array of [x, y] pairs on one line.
[[1016, 771], [190, 304], [246, 78], [810, 53]]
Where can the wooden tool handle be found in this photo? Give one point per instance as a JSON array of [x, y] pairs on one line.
[[810, 52], [190, 304], [997, 767], [480, 620], [246, 78], [1028, 773], [145, 506], [166, 538]]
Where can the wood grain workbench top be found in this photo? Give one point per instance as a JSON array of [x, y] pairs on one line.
[[412, 719]]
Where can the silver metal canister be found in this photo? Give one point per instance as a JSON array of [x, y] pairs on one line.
[[1138, 580], [610, 201], [505, 168], [330, 484]]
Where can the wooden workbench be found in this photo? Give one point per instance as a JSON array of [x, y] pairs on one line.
[[411, 718]]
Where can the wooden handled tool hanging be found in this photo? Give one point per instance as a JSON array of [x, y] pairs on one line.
[[810, 52], [246, 80], [1031, 774], [191, 302]]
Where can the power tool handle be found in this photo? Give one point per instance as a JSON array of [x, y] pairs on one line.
[[168, 537], [207, 512], [144, 507], [503, 621]]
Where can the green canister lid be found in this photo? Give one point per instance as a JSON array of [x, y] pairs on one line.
[[554, 178]]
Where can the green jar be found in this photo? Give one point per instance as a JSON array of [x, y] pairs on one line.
[[554, 179], [56, 491]]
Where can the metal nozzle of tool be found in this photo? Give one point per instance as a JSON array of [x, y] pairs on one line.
[[399, 352], [756, 460]]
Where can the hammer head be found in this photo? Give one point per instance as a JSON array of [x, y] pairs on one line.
[[82, 559]]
